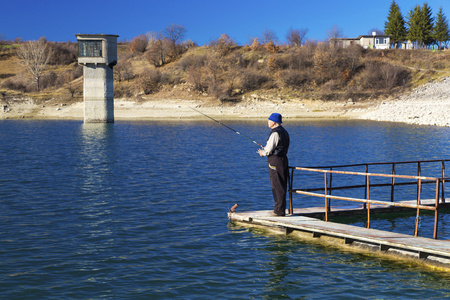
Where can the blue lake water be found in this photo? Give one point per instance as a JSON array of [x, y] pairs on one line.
[[138, 210]]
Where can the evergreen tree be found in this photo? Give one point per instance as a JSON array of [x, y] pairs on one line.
[[441, 32], [421, 26], [414, 25], [427, 27], [395, 25]]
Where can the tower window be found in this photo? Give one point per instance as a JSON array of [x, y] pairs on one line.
[[89, 48]]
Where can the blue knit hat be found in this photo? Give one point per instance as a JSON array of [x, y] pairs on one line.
[[275, 117]]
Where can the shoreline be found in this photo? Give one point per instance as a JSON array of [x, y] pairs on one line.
[[163, 109], [426, 105]]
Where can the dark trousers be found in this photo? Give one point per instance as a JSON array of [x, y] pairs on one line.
[[279, 176]]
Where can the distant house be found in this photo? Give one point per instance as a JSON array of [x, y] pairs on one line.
[[373, 41], [405, 45]]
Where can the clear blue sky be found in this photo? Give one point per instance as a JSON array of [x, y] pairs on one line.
[[204, 20]]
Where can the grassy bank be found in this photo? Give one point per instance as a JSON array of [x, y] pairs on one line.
[[227, 73]]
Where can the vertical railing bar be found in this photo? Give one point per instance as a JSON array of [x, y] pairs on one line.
[[291, 183], [436, 210], [326, 198], [416, 230], [365, 192], [443, 181], [331, 187], [393, 182], [367, 198], [419, 171]]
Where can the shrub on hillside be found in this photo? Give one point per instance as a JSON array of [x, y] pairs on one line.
[[196, 78], [122, 91], [300, 58], [123, 72], [385, 76], [139, 44], [192, 61], [150, 81], [219, 90], [348, 61], [223, 45], [293, 78], [253, 80], [277, 62], [171, 78], [63, 53], [16, 84], [48, 80], [324, 64]]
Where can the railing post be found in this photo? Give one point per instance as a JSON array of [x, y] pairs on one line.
[[418, 174], [326, 198], [443, 181], [393, 182], [331, 188], [367, 198], [291, 182], [436, 210], [419, 186], [366, 193]]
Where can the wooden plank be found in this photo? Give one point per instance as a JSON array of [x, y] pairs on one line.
[[388, 241]]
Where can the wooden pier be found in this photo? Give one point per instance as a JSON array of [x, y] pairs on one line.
[[312, 223], [426, 251]]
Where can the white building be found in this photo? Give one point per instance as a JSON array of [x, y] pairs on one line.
[[373, 41]]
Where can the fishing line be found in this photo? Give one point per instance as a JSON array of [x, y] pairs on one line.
[[237, 132]]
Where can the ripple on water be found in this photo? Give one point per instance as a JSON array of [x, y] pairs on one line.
[[138, 210]]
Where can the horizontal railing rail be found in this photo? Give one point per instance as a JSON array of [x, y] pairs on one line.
[[413, 180]]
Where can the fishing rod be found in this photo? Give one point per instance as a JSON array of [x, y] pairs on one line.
[[237, 132]]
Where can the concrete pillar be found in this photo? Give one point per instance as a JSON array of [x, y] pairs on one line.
[[98, 55]]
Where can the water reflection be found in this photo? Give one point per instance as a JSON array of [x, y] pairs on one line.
[[97, 153], [278, 269], [96, 166]]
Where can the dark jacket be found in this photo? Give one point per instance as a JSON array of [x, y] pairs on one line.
[[283, 146]]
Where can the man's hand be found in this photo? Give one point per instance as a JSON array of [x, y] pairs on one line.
[[261, 153]]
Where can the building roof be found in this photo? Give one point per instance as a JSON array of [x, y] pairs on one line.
[[372, 36], [359, 37]]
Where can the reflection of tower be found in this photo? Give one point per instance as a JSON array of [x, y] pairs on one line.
[[98, 55]]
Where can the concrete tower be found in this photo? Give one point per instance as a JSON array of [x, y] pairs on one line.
[[98, 55]]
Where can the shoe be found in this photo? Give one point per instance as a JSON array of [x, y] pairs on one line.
[[272, 214]]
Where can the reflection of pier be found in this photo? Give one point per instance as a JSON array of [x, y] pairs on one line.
[[364, 192]]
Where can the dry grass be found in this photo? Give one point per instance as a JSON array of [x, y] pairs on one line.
[[423, 66], [10, 67]]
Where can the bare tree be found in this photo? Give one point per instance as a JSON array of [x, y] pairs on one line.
[[159, 50], [295, 36], [72, 89], [174, 33], [233, 72], [268, 36], [335, 32], [34, 55]]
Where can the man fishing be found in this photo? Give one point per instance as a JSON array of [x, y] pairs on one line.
[[276, 151]]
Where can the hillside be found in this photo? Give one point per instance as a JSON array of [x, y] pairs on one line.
[[227, 81]]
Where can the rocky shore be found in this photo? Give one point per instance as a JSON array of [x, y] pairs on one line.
[[427, 105]]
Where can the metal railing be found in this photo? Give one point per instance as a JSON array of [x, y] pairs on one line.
[[418, 180]]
